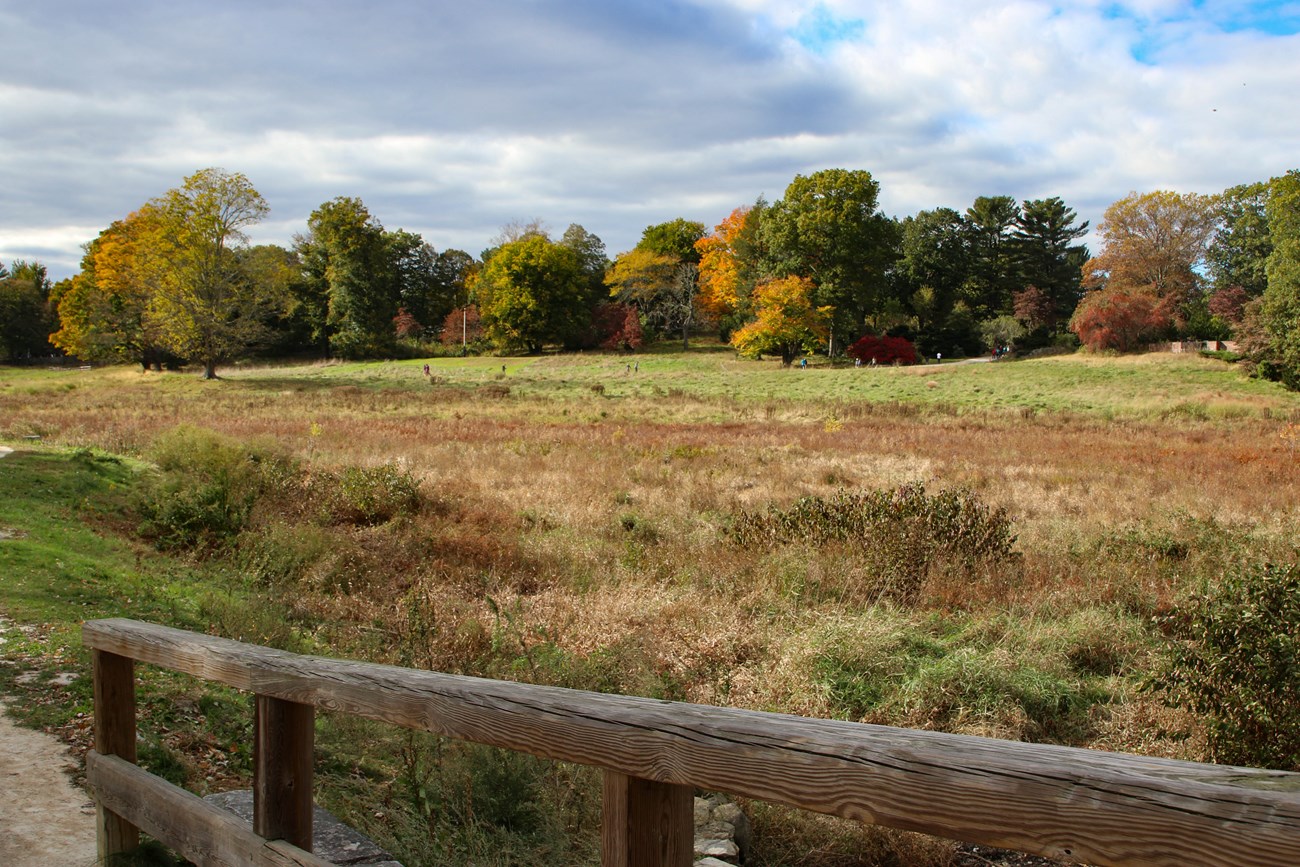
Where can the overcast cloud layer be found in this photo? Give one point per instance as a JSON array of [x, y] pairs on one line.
[[451, 119]]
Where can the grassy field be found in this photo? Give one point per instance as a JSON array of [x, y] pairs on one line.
[[575, 520]]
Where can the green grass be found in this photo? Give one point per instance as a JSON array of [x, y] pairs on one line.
[[1144, 386], [711, 384]]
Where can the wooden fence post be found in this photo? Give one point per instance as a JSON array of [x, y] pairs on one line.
[[283, 738], [646, 823], [114, 690]]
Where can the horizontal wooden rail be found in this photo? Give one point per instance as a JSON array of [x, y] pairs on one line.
[[199, 831], [1062, 802]]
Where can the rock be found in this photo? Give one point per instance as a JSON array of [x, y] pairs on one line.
[[331, 839], [722, 832]]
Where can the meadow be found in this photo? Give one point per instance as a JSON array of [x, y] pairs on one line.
[[616, 523]]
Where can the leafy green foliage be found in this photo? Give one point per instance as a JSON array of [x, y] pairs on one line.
[[204, 491], [1278, 352], [905, 532], [531, 293], [1234, 656], [366, 496], [828, 228], [208, 488]]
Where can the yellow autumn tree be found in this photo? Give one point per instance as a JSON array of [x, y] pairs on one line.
[[787, 322], [103, 311]]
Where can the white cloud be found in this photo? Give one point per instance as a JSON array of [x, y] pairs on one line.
[[451, 120]]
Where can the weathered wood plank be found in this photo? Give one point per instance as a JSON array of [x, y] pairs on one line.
[[283, 736], [114, 695], [646, 823], [199, 831], [1062, 802]]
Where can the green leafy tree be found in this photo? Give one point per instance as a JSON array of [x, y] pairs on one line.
[[1238, 254], [204, 304], [590, 251], [25, 320], [349, 286], [827, 227], [1276, 348], [1047, 258], [1001, 331], [277, 272], [532, 292]]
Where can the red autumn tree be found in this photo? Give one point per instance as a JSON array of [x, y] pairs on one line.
[[1119, 318], [461, 325], [406, 325], [618, 326], [884, 350]]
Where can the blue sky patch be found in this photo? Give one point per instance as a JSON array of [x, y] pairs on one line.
[[1156, 34], [819, 30]]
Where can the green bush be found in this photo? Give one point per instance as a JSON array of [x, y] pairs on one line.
[[367, 496], [903, 533], [1234, 657], [205, 488]]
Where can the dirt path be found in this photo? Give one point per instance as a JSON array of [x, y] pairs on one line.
[[44, 819]]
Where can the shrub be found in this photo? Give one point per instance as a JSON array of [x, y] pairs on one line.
[[885, 350], [375, 495], [1117, 318], [904, 532], [205, 489], [1234, 657]]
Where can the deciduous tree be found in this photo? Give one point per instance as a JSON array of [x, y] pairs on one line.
[[1154, 242], [1278, 313], [1118, 317], [729, 265], [828, 228], [661, 286], [349, 284], [103, 310], [204, 306], [531, 292], [787, 320], [1238, 254]]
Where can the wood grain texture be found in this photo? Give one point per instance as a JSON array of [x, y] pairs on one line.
[[1066, 803], [114, 693], [283, 736], [199, 831], [646, 823]]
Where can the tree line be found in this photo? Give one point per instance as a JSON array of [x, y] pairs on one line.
[[820, 268]]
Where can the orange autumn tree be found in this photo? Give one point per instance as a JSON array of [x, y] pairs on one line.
[[787, 323], [728, 266], [720, 267]]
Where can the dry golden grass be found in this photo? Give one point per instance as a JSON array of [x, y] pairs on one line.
[[579, 540]]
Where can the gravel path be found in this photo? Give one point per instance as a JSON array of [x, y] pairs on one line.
[[44, 819]]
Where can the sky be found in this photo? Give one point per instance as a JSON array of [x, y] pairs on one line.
[[453, 119]]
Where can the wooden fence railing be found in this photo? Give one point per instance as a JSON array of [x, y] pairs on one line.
[[1062, 802]]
